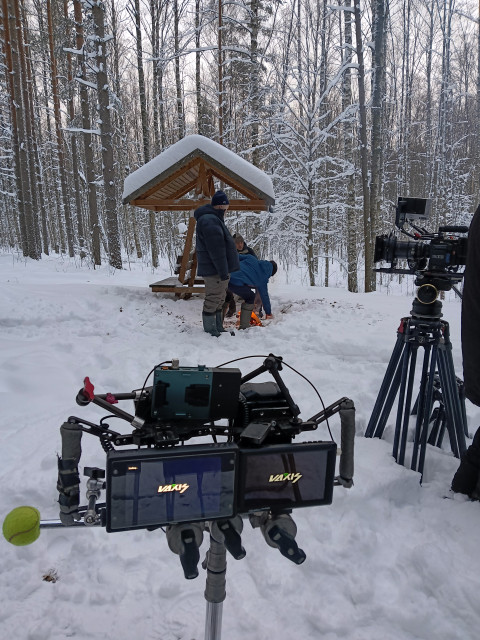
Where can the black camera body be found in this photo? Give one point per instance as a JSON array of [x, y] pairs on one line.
[[431, 256]]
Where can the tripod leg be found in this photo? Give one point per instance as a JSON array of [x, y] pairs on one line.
[[442, 420], [421, 405], [435, 431], [388, 404], [389, 386], [458, 411], [404, 403], [453, 408], [427, 410]]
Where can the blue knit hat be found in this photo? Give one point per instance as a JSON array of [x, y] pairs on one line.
[[220, 197]]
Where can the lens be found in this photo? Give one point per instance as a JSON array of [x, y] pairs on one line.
[[384, 248], [389, 249]]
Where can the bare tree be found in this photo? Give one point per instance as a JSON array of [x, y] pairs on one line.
[[59, 138], [134, 8], [106, 134]]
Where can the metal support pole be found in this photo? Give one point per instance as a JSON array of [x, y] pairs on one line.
[[215, 588]]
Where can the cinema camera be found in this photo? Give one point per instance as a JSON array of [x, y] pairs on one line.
[[158, 480], [435, 258]]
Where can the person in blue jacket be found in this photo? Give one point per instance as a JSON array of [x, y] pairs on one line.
[[217, 257], [253, 274]]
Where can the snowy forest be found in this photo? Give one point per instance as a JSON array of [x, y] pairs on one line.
[[345, 106]]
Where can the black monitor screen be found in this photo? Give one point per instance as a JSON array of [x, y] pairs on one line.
[[148, 488], [286, 476]]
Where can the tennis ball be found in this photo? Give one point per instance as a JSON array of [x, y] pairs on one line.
[[22, 526]]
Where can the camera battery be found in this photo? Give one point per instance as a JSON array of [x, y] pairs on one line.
[[195, 393]]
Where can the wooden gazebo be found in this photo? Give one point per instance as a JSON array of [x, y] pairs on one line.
[[183, 178]]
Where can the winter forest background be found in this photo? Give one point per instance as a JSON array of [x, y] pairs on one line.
[[344, 106]]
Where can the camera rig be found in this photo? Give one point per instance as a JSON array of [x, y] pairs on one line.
[[153, 479], [434, 258]]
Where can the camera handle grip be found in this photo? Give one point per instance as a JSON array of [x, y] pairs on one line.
[[453, 229], [190, 556], [286, 544], [231, 536], [185, 540]]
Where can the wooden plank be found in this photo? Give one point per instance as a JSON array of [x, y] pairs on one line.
[[158, 288]]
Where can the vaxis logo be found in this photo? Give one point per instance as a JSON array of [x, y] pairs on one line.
[[281, 477], [166, 488]]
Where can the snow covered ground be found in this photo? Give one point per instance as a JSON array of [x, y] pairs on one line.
[[389, 559]]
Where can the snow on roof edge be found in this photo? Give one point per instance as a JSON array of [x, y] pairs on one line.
[[146, 175]]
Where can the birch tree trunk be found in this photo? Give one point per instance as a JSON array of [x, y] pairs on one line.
[[377, 128], [94, 224], [178, 79], [367, 226], [347, 139], [254, 81], [73, 142]]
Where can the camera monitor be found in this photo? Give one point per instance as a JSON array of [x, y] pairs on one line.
[[150, 488], [286, 476], [412, 209]]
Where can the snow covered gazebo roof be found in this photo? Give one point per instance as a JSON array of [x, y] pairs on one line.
[[190, 166]]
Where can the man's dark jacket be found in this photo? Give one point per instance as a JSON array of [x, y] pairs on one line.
[[216, 250], [471, 314]]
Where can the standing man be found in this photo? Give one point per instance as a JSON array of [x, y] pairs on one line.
[[467, 477], [217, 257]]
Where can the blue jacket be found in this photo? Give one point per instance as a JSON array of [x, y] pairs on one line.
[[255, 274], [216, 250]]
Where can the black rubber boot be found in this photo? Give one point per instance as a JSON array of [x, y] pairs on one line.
[[467, 477], [210, 324], [245, 315], [219, 317]]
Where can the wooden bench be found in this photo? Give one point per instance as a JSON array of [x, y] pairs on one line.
[[173, 285]]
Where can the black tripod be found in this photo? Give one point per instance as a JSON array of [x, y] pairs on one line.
[[423, 328]]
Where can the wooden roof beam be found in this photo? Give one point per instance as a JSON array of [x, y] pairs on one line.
[[189, 205]]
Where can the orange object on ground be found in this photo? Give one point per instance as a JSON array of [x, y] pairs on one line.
[[254, 320]]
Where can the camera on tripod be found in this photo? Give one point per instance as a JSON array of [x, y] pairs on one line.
[[434, 258], [157, 480], [440, 253]]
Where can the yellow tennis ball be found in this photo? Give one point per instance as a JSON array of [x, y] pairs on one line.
[[22, 526]]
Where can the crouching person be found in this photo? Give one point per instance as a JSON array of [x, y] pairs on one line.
[[253, 275], [217, 257]]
